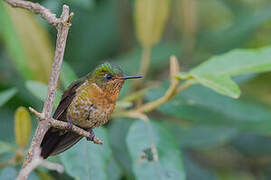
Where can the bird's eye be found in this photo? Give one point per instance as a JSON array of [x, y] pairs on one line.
[[108, 76]]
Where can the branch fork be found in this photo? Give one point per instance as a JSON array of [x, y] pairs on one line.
[[62, 25]]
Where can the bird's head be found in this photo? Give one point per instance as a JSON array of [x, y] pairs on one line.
[[109, 77]]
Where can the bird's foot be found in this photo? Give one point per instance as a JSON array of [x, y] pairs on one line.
[[69, 121], [70, 125], [93, 138]]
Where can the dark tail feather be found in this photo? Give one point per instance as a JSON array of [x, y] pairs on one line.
[[56, 141]]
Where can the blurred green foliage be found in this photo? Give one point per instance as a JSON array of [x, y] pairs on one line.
[[201, 133]]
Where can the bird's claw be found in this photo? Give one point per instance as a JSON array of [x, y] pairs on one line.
[[70, 125], [93, 138], [97, 141]]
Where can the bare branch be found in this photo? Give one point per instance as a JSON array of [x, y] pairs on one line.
[[53, 166], [35, 162], [62, 34], [60, 124], [37, 9], [62, 25], [39, 161]]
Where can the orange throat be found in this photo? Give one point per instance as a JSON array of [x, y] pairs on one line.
[[104, 96]]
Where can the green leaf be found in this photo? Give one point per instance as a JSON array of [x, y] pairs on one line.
[[12, 44], [27, 42], [155, 155], [195, 171], [39, 90], [202, 106], [202, 136], [6, 95], [221, 84], [5, 147], [252, 144], [216, 72], [236, 62], [86, 160], [67, 75], [113, 170], [118, 131]]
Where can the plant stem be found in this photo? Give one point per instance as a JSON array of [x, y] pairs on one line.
[[135, 113], [171, 92]]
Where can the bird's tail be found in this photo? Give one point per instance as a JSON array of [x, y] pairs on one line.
[[56, 141]]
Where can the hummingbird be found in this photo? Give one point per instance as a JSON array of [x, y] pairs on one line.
[[86, 103]]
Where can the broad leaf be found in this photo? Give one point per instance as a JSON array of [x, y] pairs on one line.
[[12, 44], [252, 144], [221, 84], [195, 171], [202, 106], [27, 42], [216, 72], [236, 62], [6, 95], [118, 131], [155, 155], [113, 170], [202, 136], [86, 160]]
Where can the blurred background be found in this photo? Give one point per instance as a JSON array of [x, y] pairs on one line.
[[216, 137]]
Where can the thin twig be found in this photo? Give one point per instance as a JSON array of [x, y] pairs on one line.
[[173, 90], [174, 69], [37, 9], [53, 166], [61, 124]]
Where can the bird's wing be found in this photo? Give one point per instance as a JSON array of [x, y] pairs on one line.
[[66, 99], [55, 140]]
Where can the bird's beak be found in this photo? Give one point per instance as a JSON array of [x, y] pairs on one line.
[[131, 77]]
